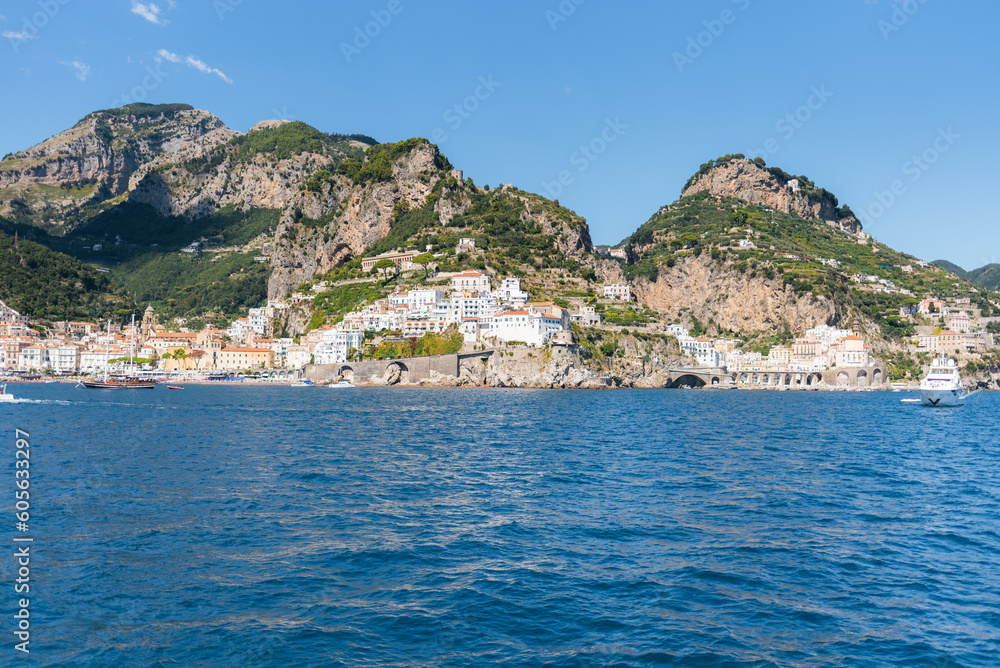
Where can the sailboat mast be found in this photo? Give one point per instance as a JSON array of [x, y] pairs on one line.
[[107, 352], [131, 348]]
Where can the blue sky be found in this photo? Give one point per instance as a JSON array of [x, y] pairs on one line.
[[890, 104]]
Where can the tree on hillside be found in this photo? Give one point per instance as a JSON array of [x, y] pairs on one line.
[[383, 266], [424, 260]]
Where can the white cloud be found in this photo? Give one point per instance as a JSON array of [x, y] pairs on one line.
[[20, 36], [150, 12], [167, 55], [192, 61], [82, 69], [202, 67]]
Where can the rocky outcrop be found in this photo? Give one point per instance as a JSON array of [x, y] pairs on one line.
[[361, 217], [716, 292], [744, 179], [546, 368], [99, 155]]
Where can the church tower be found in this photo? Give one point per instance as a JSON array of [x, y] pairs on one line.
[[148, 323]]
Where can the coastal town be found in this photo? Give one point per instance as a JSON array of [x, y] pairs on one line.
[[471, 305]]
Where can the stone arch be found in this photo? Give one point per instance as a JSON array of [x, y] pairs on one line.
[[755, 379], [397, 373], [843, 379], [716, 380], [346, 373], [687, 380], [862, 378], [744, 378], [765, 379], [877, 377], [788, 380]]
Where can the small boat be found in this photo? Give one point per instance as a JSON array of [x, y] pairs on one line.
[[4, 397], [343, 382], [175, 387], [942, 387], [302, 383]]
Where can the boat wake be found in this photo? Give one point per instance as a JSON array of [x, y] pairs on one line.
[[51, 402]]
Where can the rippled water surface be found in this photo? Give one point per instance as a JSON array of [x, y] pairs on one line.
[[277, 526]]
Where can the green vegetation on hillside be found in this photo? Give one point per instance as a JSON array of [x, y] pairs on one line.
[[447, 343], [189, 285], [130, 229], [376, 164], [282, 142], [140, 110], [790, 248], [951, 267], [986, 277], [46, 285]]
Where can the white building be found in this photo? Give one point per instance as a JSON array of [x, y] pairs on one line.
[[470, 281], [298, 356], [510, 292], [677, 331], [465, 305], [529, 327], [337, 346], [826, 336]]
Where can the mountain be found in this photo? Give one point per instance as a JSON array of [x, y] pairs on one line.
[[986, 277], [743, 253], [770, 187], [951, 268], [204, 222]]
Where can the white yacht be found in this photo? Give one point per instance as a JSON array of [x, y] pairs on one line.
[[343, 382], [943, 385]]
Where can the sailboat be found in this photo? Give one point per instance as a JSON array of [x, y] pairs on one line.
[[122, 382]]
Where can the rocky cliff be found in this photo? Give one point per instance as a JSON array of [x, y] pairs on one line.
[[95, 159], [353, 217], [717, 292], [752, 182]]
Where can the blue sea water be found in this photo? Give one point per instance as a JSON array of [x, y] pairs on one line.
[[277, 526]]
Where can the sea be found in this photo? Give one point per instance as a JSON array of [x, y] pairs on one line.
[[280, 526]]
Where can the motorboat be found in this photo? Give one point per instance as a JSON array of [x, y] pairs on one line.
[[343, 382], [4, 397], [942, 387]]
